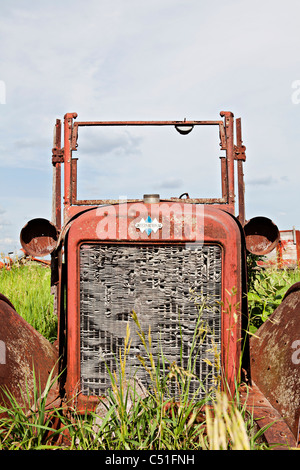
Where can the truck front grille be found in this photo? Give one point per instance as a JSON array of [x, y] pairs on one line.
[[169, 287]]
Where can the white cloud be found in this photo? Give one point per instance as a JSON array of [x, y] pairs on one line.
[[152, 60]]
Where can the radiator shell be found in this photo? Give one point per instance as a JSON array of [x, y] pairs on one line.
[[205, 225]]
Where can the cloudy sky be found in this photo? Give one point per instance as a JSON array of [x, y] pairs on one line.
[[148, 60]]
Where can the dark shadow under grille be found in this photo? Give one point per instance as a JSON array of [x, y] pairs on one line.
[[168, 286]]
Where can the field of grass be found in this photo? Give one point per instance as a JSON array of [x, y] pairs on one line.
[[27, 286], [131, 421]]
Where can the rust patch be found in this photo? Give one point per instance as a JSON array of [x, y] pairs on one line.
[[278, 434], [262, 235], [39, 237], [274, 367], [22, 350]]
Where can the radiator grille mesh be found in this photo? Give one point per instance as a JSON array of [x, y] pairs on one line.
[[156, 282]]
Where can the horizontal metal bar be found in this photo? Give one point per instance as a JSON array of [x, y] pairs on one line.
[[147, 123], [95, 202]]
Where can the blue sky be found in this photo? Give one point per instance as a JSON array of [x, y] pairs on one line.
[[141, 60]]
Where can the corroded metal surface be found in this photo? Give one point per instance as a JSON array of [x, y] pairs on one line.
[[261, 234], [22, 349], [121, 226], [275, 359], [287, 252], [39, 237], [277, 433]]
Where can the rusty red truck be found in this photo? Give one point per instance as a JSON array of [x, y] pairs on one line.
[[112, 257]]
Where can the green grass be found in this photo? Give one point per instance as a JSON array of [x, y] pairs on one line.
[[266, 292], [153, 422], [27, 286], [131, 421]]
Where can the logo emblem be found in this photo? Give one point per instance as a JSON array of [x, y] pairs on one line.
[[148, 225]]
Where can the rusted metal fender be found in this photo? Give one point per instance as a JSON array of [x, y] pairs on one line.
[[22, 350], [275, 359]]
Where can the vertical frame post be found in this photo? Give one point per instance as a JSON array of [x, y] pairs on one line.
[[240, 174], [230, 157], [68, 125], [56, 195]]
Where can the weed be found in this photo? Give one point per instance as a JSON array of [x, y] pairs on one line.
[[267, 290], [28, 425]]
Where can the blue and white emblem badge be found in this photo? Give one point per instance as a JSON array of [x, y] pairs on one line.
[[148, 225]]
